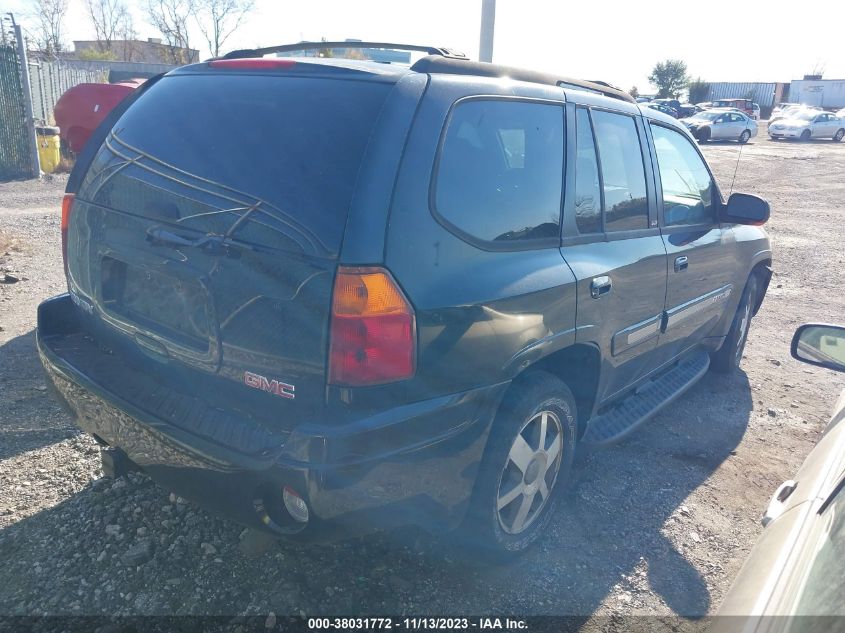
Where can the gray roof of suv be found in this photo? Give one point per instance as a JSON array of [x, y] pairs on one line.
[[439, 64]]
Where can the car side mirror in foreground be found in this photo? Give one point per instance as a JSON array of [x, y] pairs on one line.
[[743, 208], [821, 345]]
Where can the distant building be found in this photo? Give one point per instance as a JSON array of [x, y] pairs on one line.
[[825, 93], [766, 94], [150, 51]]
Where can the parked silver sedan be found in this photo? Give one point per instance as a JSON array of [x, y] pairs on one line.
[[793, 580], [723, 125], [807, 124]]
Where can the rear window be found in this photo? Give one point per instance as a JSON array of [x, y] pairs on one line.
[[268, 160]]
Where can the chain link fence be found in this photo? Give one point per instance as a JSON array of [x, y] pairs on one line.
[[49, 81], [15, 145]]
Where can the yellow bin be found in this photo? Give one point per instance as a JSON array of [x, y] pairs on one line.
[[49, 148]]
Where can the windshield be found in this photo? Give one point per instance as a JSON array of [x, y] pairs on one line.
[[708, 116]]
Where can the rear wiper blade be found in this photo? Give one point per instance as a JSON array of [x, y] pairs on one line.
[[213, 244]]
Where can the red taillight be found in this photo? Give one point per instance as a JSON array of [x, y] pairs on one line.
[[373, 337], [267, 63], [67, 206]]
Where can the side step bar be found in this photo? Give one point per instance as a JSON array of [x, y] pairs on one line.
[[618, 422]]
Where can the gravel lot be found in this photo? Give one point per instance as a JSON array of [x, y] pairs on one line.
[[658, 525]]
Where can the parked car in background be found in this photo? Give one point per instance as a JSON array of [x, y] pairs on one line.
[[375, 311], [83, 107], [683, 109], [662, 107], [791, 111], [704, 105], [755, 114], [780, 107], [795, 569], [722, 125], [807, 124], [841, 113], [746, 105]]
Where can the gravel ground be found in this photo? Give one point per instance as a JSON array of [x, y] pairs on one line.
[[658, 525]]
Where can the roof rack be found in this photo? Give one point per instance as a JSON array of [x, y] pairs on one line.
[[311, 46], [463, 66]]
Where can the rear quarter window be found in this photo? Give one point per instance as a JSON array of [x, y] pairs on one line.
[[499, 173]]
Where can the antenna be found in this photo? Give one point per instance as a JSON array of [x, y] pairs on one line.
[[735, 170]]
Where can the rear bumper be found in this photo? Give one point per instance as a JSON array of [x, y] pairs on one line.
[[413, 464]]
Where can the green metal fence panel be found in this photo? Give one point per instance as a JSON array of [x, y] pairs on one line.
[[15, 145]]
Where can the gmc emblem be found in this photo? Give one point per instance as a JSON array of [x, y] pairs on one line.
[[270, 386]]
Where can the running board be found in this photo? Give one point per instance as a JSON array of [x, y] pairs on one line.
[[618, 422]]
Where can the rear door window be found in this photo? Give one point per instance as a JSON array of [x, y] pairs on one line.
[[587, 185], [622, 171], [269, 160], [500, 171]]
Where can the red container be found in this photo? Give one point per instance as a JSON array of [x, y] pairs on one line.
[[80, 110]]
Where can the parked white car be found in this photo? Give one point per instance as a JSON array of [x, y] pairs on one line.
[[791, 111], [722, 125], [807, 124]]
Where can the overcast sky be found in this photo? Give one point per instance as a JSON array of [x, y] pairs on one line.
[[615, 41]]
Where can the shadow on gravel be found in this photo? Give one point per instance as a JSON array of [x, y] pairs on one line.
[[125, 547], [29, 417]]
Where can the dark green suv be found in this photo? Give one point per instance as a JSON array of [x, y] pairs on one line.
[[319, 293]]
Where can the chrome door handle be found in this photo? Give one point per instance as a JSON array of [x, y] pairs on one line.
[[681, 263], [600, 286], [778, 501]]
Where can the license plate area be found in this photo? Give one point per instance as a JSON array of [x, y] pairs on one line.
[[164, 305]]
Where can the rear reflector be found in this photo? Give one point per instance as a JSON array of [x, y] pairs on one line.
[[267, 63], [67, 207], [373, 337]]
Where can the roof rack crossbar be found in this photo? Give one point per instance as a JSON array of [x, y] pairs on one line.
[[310, 46]]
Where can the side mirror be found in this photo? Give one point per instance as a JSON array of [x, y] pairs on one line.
[[743, 208], [821, 345]]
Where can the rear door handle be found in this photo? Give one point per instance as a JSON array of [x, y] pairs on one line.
[[600, 286], [681, 263]]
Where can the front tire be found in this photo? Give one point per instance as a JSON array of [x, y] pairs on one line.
[[525, 467], [728, 357], [703, 135], [805, 135]]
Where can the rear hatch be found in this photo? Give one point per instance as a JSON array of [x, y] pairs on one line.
[[204, 237]]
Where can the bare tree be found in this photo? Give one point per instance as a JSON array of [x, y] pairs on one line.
[[48, 32], [127, 35], [218, 19], [170, 17], [108, 18]]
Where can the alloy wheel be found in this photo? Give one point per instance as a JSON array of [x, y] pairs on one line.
[[743, 330], [530, 472]]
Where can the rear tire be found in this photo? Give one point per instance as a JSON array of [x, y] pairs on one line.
[[840, 134], [703, 135], [727, 358], [744, 137], [805, 135], [525, 467]]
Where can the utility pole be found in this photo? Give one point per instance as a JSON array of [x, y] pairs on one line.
[[488, 27], [27, 99]]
